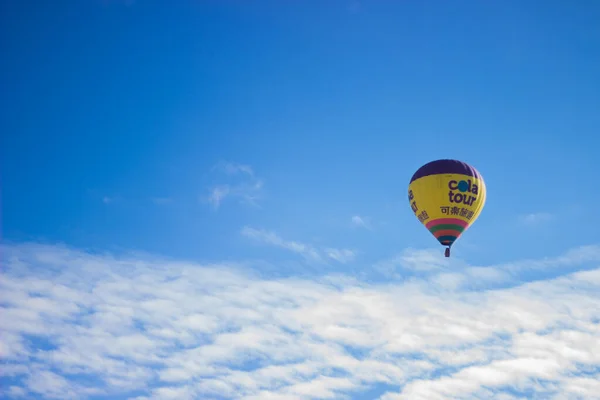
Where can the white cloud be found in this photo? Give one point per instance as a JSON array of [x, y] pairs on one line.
[[272, 238], [309, 252], [234, 168], [248, 189], [217, 194], [572, 258], [79, 325], [535, 218], [421, 260], [362, 222], [341, 255], [16, 391]]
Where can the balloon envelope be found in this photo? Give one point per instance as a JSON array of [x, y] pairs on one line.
[[447, 196]]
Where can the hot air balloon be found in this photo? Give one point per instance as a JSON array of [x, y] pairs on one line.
[[447, 196]]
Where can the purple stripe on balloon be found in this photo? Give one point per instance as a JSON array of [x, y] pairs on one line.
[[445, 167]]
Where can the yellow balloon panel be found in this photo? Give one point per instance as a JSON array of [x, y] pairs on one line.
[[447, 204]]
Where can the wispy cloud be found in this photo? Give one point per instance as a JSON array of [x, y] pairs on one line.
[[307, 251], [362, 222], [79, 325], [535, 218], [413, 260], [340, 255], [247, 189], [217, 194], [233, 168], [273, 239], [455, 273]]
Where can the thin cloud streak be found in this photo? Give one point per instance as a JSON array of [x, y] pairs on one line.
[[534, 219], [362, 222], [309, 252], [273, 239], [248, 190], [231, 168], [77, 324]]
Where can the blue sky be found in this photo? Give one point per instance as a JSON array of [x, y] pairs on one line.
[[276, 140]]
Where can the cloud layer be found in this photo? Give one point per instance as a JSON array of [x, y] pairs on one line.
[[81, 325]]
